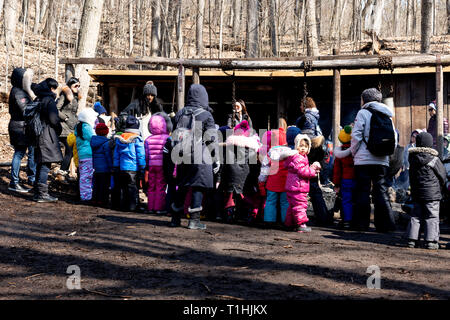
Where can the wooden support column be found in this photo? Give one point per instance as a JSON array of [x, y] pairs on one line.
[[69, 71], [114, 100], [180, 87], [336, 115], [439, 109], [196, 75]]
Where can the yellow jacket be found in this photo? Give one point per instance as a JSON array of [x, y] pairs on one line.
[[72, 142]]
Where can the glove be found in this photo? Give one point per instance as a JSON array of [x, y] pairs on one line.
[[262, 188], [216, 167]]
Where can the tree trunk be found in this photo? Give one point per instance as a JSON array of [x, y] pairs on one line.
[[312, 46], [165, 36], [341, 15], [130, 28], [426, 26], [396, 17], [179, 28], [366, 10], [222, 9], [199, 27], [1, 7], [252, 50], [11, 8], [156, 28], [87, 42], [318, 17], [448, 16], [58, 25], [50, 23], [37, 16], [24, 29], [237, 20], [333, 32], [273, 27]]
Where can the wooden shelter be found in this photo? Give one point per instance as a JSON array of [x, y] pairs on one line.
[[335, 83]]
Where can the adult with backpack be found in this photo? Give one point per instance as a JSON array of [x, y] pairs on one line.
[[19, 98], [47, 143], [373, 141], [191, 154]]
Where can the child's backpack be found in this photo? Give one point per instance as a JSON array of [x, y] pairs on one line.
[[33, 124], [381, 140], [183, 135]]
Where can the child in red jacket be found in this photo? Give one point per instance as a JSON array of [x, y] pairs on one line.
[[344, 176]]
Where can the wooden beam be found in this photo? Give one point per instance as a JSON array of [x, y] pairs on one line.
[[440, 110], [336, 115], [180, 87]]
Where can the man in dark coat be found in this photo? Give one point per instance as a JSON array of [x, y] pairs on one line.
[[146, 103], [18, 100], [47, 150], [195, 169]]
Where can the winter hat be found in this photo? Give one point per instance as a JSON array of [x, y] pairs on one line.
[[242, 129], [101, 129], [345, 135], [99, 108], [88, 115], [301, 137], [150, 88], [291, 133], [371, 94], [132, 123], [432, 105], [425, 140]]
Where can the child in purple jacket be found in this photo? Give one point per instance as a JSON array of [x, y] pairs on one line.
[[297, 182], [159, 127]]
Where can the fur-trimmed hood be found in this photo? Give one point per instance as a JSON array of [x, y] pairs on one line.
[[88, 115], [301, 137], [242, 141], [342, 153], [128, 137], [423, 150], [279, 153], [317, 142]]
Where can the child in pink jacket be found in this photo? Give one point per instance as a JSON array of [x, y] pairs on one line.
[[159, 127], [297, 182]]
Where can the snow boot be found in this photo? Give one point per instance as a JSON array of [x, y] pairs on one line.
[[41, 194], [194, 221]]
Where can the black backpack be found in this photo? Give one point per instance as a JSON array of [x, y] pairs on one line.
[[381, 140], [33, 123]]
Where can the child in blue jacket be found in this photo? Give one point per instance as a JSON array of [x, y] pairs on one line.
[[129, 161], [102, 158]]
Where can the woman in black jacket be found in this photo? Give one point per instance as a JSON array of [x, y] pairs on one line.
[[18, 100], [239, 114], [47, 150]]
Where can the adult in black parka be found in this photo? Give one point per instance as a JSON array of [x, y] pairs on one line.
[[146, 103], [18, 100], [47, 150], [197, 175]]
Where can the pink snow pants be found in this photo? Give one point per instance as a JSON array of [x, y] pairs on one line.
[[156, 192], [296, 212]]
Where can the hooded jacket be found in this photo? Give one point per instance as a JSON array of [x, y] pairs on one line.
[[308, 123], [129, 152], [361, 155], [101, 154], [48, 149], [427, 175], [87, 119], [198, 174], [18, 100], [160, 127], [67, 105]]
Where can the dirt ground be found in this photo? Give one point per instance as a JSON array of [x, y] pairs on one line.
[[137, 256]]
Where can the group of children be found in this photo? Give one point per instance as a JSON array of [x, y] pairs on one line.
[[275, 188]]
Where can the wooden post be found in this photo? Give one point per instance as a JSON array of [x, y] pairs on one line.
[[336, 116], [196, 75], [114, 100], [439, 109], [180, 87], [69, 71]]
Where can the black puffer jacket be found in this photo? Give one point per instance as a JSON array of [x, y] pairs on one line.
[[18, 100], [67, 105], [427, 174], [198, 175], [48, 149], [141, 107]]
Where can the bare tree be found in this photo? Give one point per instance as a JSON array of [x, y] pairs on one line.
[[199, 27], [448, 16], [396, 21], [237, 18], [87, 42], [1, 7], [252, 48], [58, 26], [130, 28], [24, 29], [334, 16], [222, 9], [179, 15], [156, 28], [312, 46], [273, 27], [426, 25], [10, 9], [318, 17], [50, 23], [37, 16], [165, 30]]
